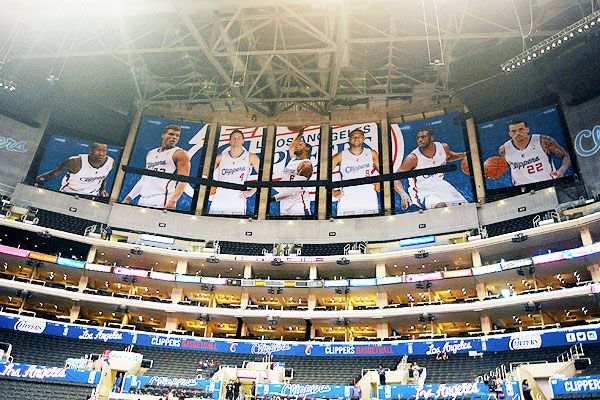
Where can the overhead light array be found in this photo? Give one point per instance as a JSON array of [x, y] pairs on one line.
[[7, 85], [580, 27]]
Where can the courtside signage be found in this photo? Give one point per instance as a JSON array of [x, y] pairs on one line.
[[515, 341]]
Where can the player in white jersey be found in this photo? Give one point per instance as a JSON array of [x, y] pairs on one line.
[[170, 159], [295, 200], [85, 173], [233, 165], [357, 161], [428, 191], [528, 156]]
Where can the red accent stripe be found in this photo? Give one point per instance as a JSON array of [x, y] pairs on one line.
[[166, 193], [395, 141]]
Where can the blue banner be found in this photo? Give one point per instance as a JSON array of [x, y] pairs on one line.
[[42, 373], [138, 382], [434, 391], [170, 146], [508, 342], [575, 385]]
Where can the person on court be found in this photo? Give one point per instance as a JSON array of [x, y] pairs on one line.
[[85, 173], [428, 191], [168, 158], [298, 167], [357, 161], [528, 156], [233, 165]]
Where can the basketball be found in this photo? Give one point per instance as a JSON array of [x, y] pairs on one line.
[[305, 168], [464, 166], [495, 167]]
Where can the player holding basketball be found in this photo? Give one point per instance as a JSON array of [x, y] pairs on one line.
[[528, 156], [170, 159], [357, 161], [233, 165], [295, 200], [85, 173], [428, 191]]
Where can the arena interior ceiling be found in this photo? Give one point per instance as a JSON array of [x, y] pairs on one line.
[[271, 56]]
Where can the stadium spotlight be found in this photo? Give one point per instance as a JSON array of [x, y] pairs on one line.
[[45, 235], [583, 26], [422, 254], [519, 237], [343, 261], [212, 260], [426, 317]]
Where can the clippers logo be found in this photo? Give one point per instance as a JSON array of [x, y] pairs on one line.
[[233, 347], [525, 342], [308, 349], [176, 382], [593, 136], [582, 336], [264, 348], [296, 390], [11, 144], [30, 326]]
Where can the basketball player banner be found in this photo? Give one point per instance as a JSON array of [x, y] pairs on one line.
[[295, 158], [355, 154], [524, 148], [78, 167], [170, 146], [430, 143], [237, 160], [432, 348]]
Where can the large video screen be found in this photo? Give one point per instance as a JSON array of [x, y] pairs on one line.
[[355, 154], [429, 143], [524, 148], [170, 146], [296, 158], [237, 160], [78, 167]]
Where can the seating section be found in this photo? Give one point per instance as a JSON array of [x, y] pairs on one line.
[[514, 225], [13, 389], [462, 367], [330, 249], [245, 249], [62, 222]]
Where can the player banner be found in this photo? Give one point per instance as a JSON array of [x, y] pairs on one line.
[[524, 148], [430, 143], [78, 167], [584, 128], [237, 160], [355, 154], [165, 145], [295, 158]]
